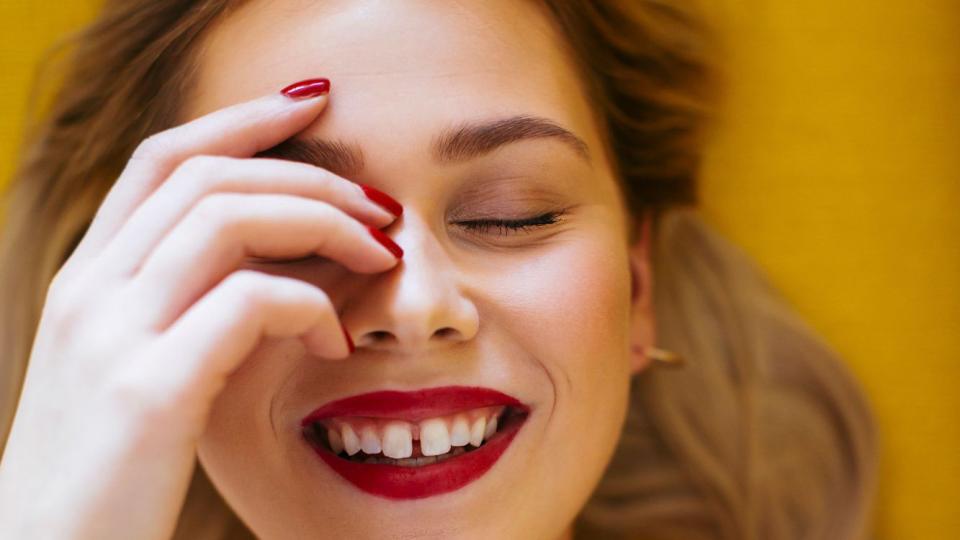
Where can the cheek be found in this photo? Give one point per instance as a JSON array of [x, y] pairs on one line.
[[571, 308], [588, 332]]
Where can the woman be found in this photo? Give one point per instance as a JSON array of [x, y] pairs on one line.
[[422, 292]]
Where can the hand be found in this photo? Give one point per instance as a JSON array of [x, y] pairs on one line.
[[143, 324]]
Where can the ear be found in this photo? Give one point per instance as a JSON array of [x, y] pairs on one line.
[[642, 324]]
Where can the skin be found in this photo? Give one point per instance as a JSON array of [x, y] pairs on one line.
[[200, 362], [394, 89]]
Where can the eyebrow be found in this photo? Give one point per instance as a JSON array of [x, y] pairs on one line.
[[459, 143]]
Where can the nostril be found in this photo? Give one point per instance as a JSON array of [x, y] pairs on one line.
[[384, 337], [380, 335]]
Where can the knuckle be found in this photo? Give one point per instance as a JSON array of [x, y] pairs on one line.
[[292, 291], [332, 217], [254, 290], [246, 287], [58, 312], [328, 210], [244, 281], [198, 168], [310, 292], [153, 147], [343, 229], [214, 208], [328, 180], [62, 299], [216, 174]]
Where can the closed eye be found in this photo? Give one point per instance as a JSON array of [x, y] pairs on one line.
[[512, 226], [504, 226]]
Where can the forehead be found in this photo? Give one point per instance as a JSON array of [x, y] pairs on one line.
[[397, 67]]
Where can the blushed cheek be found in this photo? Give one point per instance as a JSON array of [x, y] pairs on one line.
[[569, 309], [574, 302], [568, 304], [591, 336]]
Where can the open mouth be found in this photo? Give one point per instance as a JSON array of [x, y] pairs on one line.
[[404, 445]]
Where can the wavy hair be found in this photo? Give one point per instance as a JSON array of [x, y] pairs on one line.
[[763, 435]]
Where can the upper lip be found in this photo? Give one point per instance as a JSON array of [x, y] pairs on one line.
[[413, 406]]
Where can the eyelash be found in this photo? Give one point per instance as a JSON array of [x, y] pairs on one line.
[[506, 226], [509, 226]]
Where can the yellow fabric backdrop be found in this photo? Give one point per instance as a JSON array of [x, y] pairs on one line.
[[838, 167]]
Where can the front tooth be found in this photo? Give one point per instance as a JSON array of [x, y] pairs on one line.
[[477, 430], [351, 443], [369, 440], [491, 428], [434, 437], [336, 443], [397, 440], [460, 432]]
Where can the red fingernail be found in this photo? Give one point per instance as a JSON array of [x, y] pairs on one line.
[[383, 200], [386, 241], [307, 89], [349, 340]]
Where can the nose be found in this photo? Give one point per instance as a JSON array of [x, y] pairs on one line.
[[416, 306]]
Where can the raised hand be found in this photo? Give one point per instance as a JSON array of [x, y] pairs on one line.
[[150, 314]]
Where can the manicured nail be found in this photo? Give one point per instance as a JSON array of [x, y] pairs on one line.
[[383, 200], [307, 89], [386, 241], [349, 339]]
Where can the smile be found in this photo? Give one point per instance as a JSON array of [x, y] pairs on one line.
[[407, 445]]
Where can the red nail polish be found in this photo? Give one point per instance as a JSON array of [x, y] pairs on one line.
[[349, 339], [307, 89], [383, 200], [386, 241]]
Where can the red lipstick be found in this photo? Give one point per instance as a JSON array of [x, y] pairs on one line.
[[412, 482]]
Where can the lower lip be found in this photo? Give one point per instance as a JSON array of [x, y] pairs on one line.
[[396, 482]]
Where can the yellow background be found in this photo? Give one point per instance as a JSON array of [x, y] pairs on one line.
[[837, 166]]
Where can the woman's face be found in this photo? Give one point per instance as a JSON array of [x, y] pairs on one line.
[[544, 314]]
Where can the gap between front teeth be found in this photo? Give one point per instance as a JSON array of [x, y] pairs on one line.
[[394, 438]]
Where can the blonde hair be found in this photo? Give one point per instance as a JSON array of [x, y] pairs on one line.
[[763, 435]]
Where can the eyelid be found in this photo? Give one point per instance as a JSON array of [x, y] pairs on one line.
[[514, 224]]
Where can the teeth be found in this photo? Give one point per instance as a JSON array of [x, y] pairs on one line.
[[369, 440], [397, 440], [477, 430], [414, 462], [434, 437], [336, 443], [351, 443], [394, 438], [460, 432], [491, 428]]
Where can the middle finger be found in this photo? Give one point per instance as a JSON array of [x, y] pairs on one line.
[[201, 176]]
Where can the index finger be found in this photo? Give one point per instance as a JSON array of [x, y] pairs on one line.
[[239, 130]]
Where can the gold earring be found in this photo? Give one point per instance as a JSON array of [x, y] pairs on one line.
[[664, 357]]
